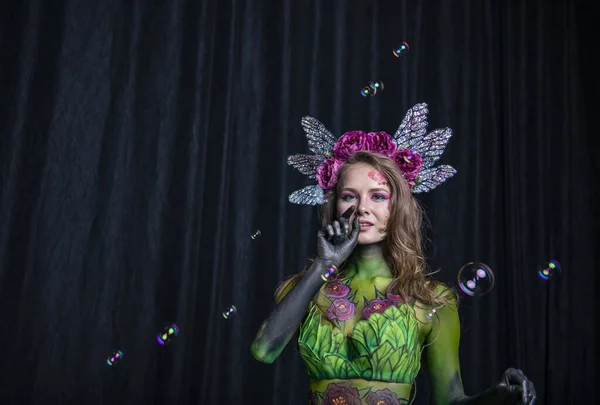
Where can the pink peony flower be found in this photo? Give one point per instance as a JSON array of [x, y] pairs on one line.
[[409, 162], [354, 141], [328, 172], [380, 142], [376, 306], [350, 143], [394, 297], [382, 397], [312, 398], [335, 289], [341, 309], [341, 393]]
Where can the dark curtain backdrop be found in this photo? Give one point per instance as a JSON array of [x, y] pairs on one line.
[[143, 142]]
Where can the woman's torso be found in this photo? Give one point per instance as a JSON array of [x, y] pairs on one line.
[[362, 346]]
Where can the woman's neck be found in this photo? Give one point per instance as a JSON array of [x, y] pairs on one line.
[[367, 262]]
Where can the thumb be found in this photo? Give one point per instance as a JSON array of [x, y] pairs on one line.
[[510, 391]]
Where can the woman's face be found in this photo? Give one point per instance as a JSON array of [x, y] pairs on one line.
[[366, 188]]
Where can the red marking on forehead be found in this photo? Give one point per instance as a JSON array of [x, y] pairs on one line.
[[378, 177]]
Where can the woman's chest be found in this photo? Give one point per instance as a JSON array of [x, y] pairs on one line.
[[348, 303]]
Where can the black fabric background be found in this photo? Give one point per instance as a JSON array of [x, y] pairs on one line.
[[143, 142]]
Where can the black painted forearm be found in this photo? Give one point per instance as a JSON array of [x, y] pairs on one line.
[[279, 328], [487, 397]]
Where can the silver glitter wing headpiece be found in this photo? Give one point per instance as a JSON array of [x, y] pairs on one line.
[[411, 135]]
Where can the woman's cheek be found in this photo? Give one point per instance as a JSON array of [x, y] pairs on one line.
[[342, 207]]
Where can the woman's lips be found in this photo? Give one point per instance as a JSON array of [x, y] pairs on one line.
[[365, 226]]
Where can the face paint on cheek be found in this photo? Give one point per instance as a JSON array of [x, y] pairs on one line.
[[378, 177]]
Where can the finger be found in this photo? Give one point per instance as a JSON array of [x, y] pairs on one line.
[[337, 229], [526, 394], [512, 394], [511, 391], [330, 232], [345, 224], [513, 376], [355, 229], [348, 213], [530, 395]]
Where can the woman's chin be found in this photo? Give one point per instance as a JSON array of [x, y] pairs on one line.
[[368, 239]]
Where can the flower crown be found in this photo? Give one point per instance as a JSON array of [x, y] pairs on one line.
[[413, 150]]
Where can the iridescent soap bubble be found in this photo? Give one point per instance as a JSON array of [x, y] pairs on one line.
[[114, 358], [372, 89], [167, 335], [550, 270], [255, 235], [228, 313], [401, 49], [367, 91], [475, 279], [431, 314]]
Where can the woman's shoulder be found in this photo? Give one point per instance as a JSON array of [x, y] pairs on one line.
[[439, 287]]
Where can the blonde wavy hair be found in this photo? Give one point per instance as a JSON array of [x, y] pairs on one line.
[[403, 249]]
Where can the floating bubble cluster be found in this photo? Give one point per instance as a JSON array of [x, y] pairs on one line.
[[550, 270], [372, 88], [114, 358], [475, 279], [228, 313], [256, 235], [169, 333], [401, 49]]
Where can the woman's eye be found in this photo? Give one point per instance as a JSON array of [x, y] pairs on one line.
[[379, 197], [347, 197]]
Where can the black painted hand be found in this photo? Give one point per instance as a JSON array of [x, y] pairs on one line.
[[515, 388], [335, 242]]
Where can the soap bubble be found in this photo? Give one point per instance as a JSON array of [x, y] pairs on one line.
[[550, 270], [401, 49], [229, 312], [367, 91], [475, 279], [114, 358], [372, 89], [169, 333], [256, 235], [431, 314]]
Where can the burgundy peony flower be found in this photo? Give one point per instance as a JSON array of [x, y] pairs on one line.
[[341, 393], [382, 397], [394, 297], [335, 289], [409, 162], [350, 143], [341, 309], [328, 172], [312, 398], [376, 306], [380, 142]]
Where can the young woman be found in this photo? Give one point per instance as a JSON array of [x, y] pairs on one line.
[[366, 310]]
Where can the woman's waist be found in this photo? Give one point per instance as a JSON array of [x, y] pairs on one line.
[[358, 389]]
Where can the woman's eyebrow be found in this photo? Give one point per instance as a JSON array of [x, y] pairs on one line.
[[373, 189]]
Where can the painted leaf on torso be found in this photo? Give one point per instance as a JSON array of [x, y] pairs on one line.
[[364, 338], [378, 323], [394, 335], [362, 366], [323, 343], [380, 356], [336, 366], [338, 344], [311, 361]]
